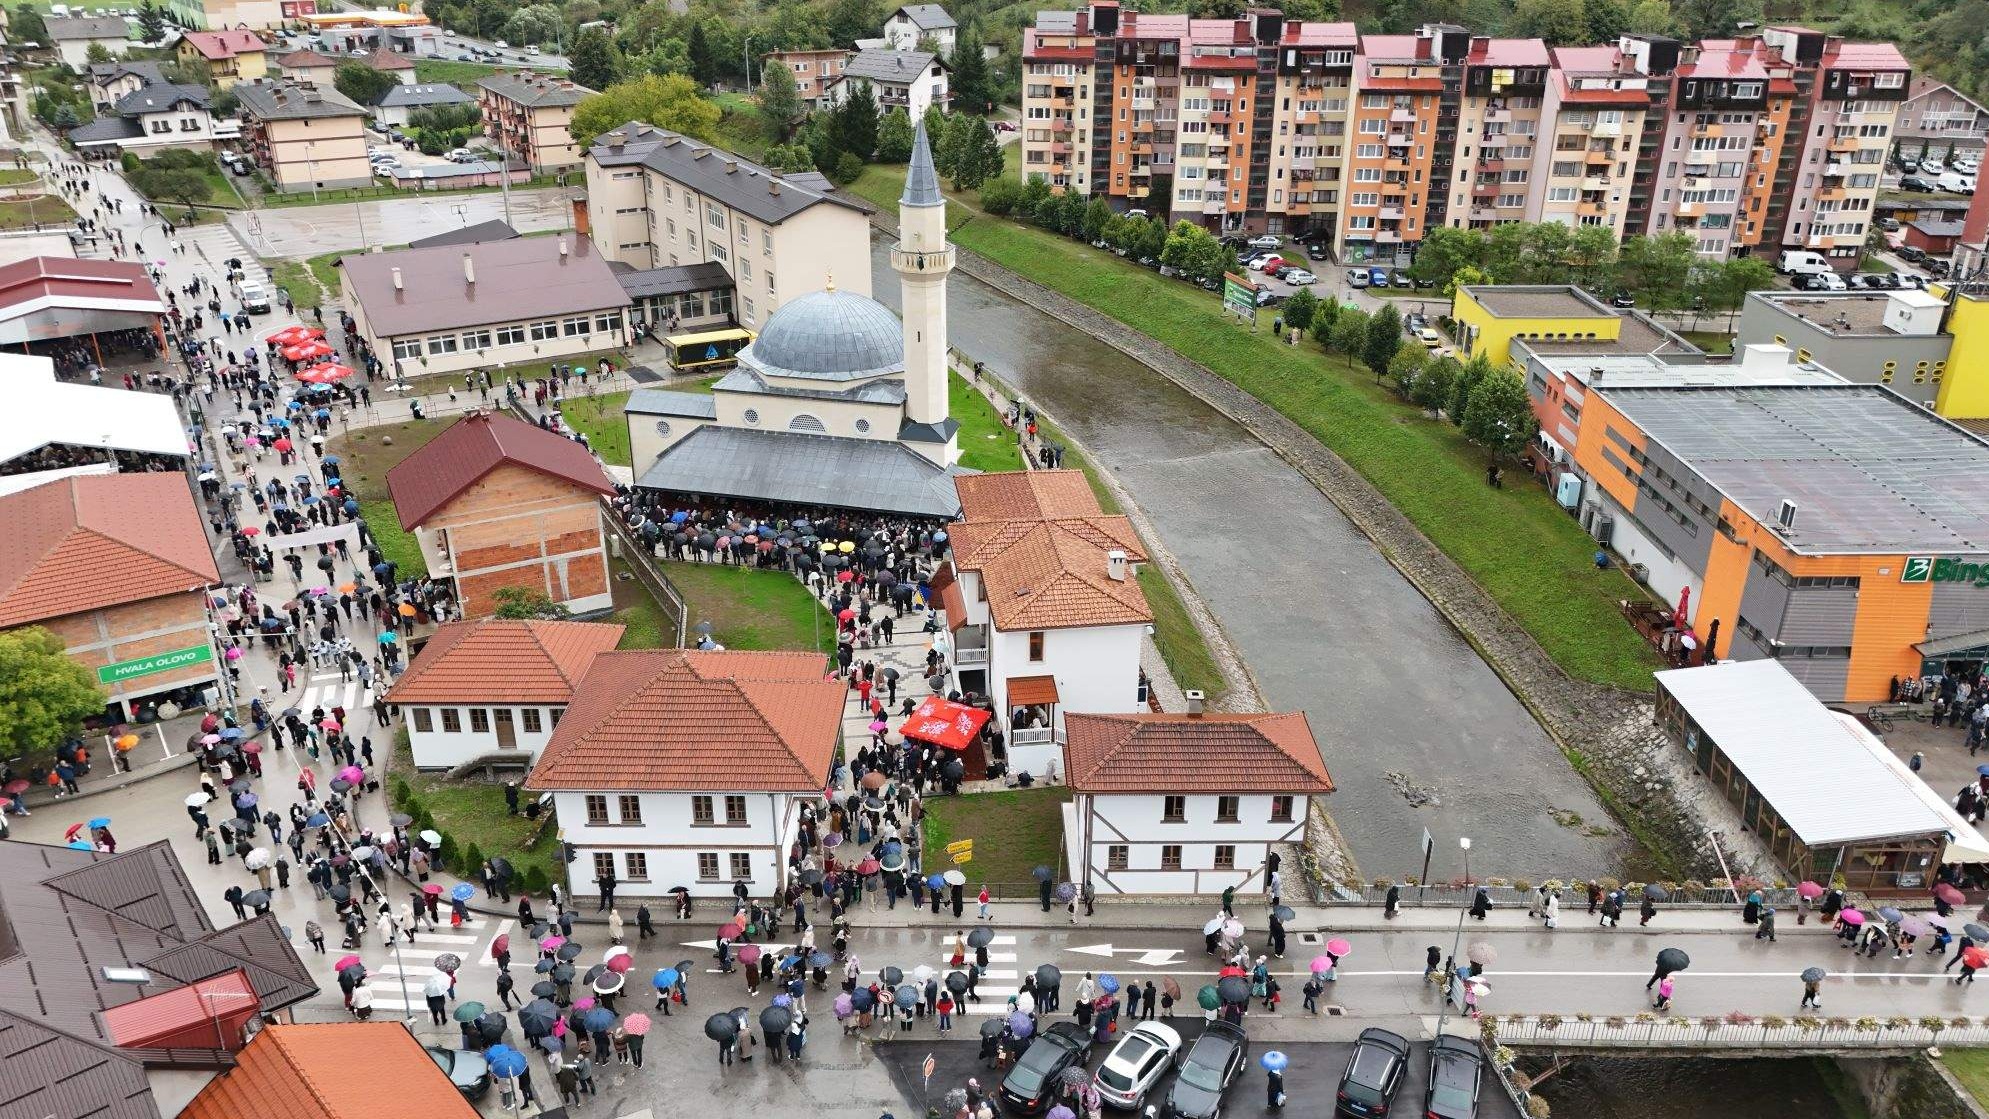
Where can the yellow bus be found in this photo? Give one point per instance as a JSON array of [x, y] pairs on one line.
[[711, 349]]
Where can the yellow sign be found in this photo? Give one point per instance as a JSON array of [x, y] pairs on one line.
[[959, 845], [963, 858]]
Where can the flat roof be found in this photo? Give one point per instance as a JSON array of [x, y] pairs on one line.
[[1798, 755], [1869, 470], [1645, 371], [1538, 301], [1847, 314], [1638, 335]]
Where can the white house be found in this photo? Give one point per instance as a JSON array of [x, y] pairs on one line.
[[494, 687], [1044, 608], [109, 81], [916, 23], [73, 38], [908, 80], [1187, 804], [403, 101], [676, 767], [151, 119]]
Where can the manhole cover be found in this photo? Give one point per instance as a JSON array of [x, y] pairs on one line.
[[1334, 1010], [1310, 938]]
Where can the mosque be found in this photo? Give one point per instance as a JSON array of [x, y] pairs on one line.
[[836, 403]]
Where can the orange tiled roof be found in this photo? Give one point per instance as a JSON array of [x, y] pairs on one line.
[[332, 1070], [683, 719], [504, 661], [426, 481], [1025, 494], [1051, 574], [1222, 753], [218, 45], [99, 540]]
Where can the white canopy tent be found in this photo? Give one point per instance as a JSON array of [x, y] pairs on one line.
[[42, 411]]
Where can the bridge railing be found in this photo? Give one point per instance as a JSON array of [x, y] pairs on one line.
[[1739, 1031], [1574, 896]]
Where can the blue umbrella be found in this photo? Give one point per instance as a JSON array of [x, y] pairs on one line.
[[1273, 1061], [311, 500], [862, 999], [351, 506], [294, 405], [232, 733], [1109, 983], [935, 882], [330, 460], [1020, 1024], [504, 1061], [599, 1020], [463, 891], [783, 1000], [665, 979], [317, 820], [821, 959], [1983, 770], [679, 517], [907, 998], [788, 962], [389, 637], [301, 479], [246, 800], [284, 505], [82, 845], [100, 822], [323, 413], [552, 1044]]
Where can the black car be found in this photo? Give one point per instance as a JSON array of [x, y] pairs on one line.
[[1908, 252], [1915, 183], [1623, 299], [466, 1070], [1457, 1069], [1374, 1074], [1028, 1087], [1213, 1063]]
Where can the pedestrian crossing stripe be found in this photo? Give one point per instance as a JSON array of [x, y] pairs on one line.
[[347, 694]]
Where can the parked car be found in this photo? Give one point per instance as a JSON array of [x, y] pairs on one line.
[[1266, 297], [463, 155], [1890, 225], [1134, 1065], [1267, 241], [255, 299], [1622, 299], [1213, 1063], [1457, 1071], [1299, 276], [465, 1069], [1932, 167], [1413, 322], [1267, 264], [1356, 277], [1910, 253], [1004, 126], [1401, 280], [1377, 277], [1374, 1074], [1030, 1084], [1429, 337], [1916, 184]]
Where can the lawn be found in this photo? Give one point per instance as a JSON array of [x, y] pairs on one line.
[[648, 626], [601, 420], [986, 443], [295, 278], [26, 213], [1531, 557], [365, 459], [323, 267], [472, 811], [1711, 341], [15, 176], [1014, 832], [437, 71], [750, 609], [1971, 1067], [744, 128]]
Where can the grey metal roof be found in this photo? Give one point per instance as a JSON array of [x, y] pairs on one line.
[[1056, 23], [885, 390], [1938, 227], [527, 278], [419, 96], [536, 90], [828, 336], [675, 280], [1869, 470], [161, 98], [106, 129], [664, 402], [454, 170], [1822, 779], [811, 470], [921, 181], [107, 27], [282, 99], [716, 173], [900, 67], [927, 17], [492, 230], [147, 72]]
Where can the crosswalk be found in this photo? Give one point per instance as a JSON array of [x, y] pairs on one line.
[[326, 690], [416, 961], [1000, 980]]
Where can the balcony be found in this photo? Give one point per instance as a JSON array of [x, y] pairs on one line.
[[1400, 139], [1485, 189], [1706, 131], [1222, 117], [1062, 147], [1595, 184], [1145, 125], [1402, 116], [1398, 166], [1691, 209], [1064, 101], [1498, 116], [1484, 213], [1391, 213], [1305, 163], [1845, 144], [1138, 190], [1212, 206], [1388, 236], [1836, 170], [1493, 141], [1605, 128], [1306, 117], [1142, 147], [1598, 158], [971, 650], [1491, 164], [1591, 209]]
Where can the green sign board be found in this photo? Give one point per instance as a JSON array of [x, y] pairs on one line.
[[1930, 569], [1239, 295], [157, 662]]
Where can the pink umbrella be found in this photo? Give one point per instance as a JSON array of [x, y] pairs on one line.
[[1809, 890], [1947, 893], [252, 747], [1916, 926], [621, 964], [748, 954], [636, 1024], [584, 1003], [730, 930], [1338, 948], [551, 942], [1321, 963], [209, 739], [351, 773], [346, 962], [1851, 917]]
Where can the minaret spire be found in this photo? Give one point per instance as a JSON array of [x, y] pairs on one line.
[[922, 258], [921, 181]]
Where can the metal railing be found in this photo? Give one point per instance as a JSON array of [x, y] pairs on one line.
[[1740, 1031], [1574, 897], [637, 556]]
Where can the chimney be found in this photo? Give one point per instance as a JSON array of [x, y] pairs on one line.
[[731, 165], [1195, 698], [469, 270], [397, 280], [1115, 565], [773, 187]]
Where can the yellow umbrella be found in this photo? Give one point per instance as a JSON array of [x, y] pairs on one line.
[[847, 546], [407, 609], [828, 546]]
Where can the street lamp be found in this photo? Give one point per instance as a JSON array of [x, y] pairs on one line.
[[1457, 941]]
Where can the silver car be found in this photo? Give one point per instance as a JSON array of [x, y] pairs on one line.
[[1134, 1065]]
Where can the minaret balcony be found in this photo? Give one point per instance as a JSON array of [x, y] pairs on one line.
[[912, 262]]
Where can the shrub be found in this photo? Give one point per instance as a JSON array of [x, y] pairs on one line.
[[445, 855], [1773, 1021], [403, 795], [472, 860], [999, 196], [535, 880], [1537, 1108], [130, 161]]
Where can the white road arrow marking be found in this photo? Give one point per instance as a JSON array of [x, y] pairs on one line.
[[1104, 950], [1144, 957]]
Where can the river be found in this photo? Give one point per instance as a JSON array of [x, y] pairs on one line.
[[1696, 1088], [1397, 698]]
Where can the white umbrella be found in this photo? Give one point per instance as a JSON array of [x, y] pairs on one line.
[[437, 985], [923, 973], [257, 859], [433, 839], [196, 800], [1025, 1002], [617, 950], [1232, 928], [954, 877], [1213, 926]]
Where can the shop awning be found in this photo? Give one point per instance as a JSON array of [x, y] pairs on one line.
[[1945, 646], [1025, 691], [951, 598], [945, 723]]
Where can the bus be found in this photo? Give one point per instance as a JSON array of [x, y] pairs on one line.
[[711, 349]]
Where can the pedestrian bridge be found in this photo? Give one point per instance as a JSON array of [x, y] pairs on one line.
[[1734, 1035]]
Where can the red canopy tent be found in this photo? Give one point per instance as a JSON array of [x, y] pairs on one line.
[[295, 335], [954, 726], [307, 350], [328, 373]]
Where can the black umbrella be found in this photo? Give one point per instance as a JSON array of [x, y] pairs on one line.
[[502, 866], [239, 786], [562, 973], [340, 893], [400, 819], [1041, 874], [569, 951], [256, 899], [1813, 974], [683, 967], [354, 972], [545, 965], [1283, 912], [891, 975], [540, 930], [537, 1017], [956, 982], [596, 972], [774, 1021], [544, 989], [1977, 933], [954, 769], [679, 890], [1673, 959], [992, 1027], [721, 1027], [811, 877], [981, 937], [1048, 975], [491, 1028], [1656, 892], [448, 961], [1234, 990]]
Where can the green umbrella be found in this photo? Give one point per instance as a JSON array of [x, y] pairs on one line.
[[468, 1011], [1208, 997]]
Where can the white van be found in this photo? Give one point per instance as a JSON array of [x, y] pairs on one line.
[[1802, 262], [59, 11], [1954, 182], [255, 299]]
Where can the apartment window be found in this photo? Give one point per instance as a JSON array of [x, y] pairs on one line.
[[714, 215], [1118, 856], [597, 810], [1035, 645], [1227, 809], [735, 810], [423, 721], [1281, 806], [574, 327], [442, 344], [479, 721], [638, 867], [630, 808], [1170, 856], [604, 865], [510, 335], [608, 322], [541, 331], [476, 339], [701, 810], [708, 866], [742, 864], [766, 242], [531, 720], [407, 349], [452, 720], [1174, 810], [1225, 856]]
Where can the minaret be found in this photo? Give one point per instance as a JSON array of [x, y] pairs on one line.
[[922, 258]]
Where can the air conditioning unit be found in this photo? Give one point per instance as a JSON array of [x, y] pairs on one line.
[[1641, 573], [1604, 528], [1591, 513]]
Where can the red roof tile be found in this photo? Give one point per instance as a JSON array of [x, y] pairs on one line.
[[332, 1070], [1221, 753], [1052, 574], [65, 539], [504, 661], [1025, 494], [683, 719], [1507, 52], [218, 45], [453, 461]]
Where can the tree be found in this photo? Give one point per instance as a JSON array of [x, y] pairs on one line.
[[1384, 337], [151, 23], [780, 99], [524, 602], [668, 56], [704, 64], [1445, 249], [672, 103], [969, 80], [43, 694], [1716, 18], [1591, 250], [1499, 415], [1735, 279], [848, 168], [597, 62], [894, 137], [850, 20], [999, 196], [1323, 321], [539, 23], [361, 82], [1300, 309], [1035, 195], [1097, 212], [1652, 17], [98, 53], [1607, 19], [1560, 22], [944, 142], [185, 187], [856, 124], [789, 159], [976, 153], [1475, 371], [1437, 383], [26, 26], [1350, 333], [1657, 266], [1405, 367]]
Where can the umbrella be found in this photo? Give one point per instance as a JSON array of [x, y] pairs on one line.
[[621, 964], [1974, 957], [598, 1020], [346, 962], [562, 973], [596, 972], [730, 930], [664, 979], [922, 973], [891, 975], [1813, 975], [1321, 964], [356, 973], [1813, 891], [246, 800], [1656, 892], [537, 1017], [448, 961], [584, 1002], [774, 1021], [1916, 926], [400, 819], [1109, 983], [992, 1027], [231, 734], [437, 984], [862, 1000], [1949, 894], [935, 881], [1673, 959], [1041, 874], [468, 1011], [551, 942], [844, 1006], [749, 953], [193, 800], [981, 937], [492, 1027], [1214, 925], [340, 893], [433, 889], [1208, 997], [1170, 987], [568, 952], [431, 837], [463, 891], [956, 982], [257, 859], [1066, 891], [1048, 975], [1889, 913], [1481, 954], [721, 1027], [1852, 917], [1075, 1077], [1940, 922], [1975, 932], [811, 877], [364, 852], [1234, 990], [1273, 1061], [256, 899], [544, 989], [954, 877], [1232, 928], [609, 984], [637, 1024], [317, 820], [1020, 1024], [553, 1043], [1338, 948], [20, 785], [1283, 912], [505, 1061]]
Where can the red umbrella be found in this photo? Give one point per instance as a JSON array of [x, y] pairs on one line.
[[433, 889], [1949, 894], [1974, 957], [1225, 973], [500, 946], [74, 831], [748, 954], [17, 785], [314, 348], [845, 614], [346, 962], [1678, 616], [868, 866], [251, 530], [620, 964], [296, 335], [730, 930], [251, 746], [282, 444], [326, 374]]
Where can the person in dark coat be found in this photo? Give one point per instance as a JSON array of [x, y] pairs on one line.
[[1481, 904]]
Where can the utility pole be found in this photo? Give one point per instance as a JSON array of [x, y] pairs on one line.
[[1457, 941], [748, 60]]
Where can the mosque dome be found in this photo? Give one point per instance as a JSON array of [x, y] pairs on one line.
[[829, 336]]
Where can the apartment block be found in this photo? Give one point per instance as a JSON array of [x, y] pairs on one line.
[[1312, 114], [1488, 171], [1398, 82], [1058, 57], [1592, 125], [1825, 185]]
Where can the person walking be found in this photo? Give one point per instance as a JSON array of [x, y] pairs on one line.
[[982, 901], [1664, 988], [1812, 988], [1764, 924], [1550, 910], [1646, 911]]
